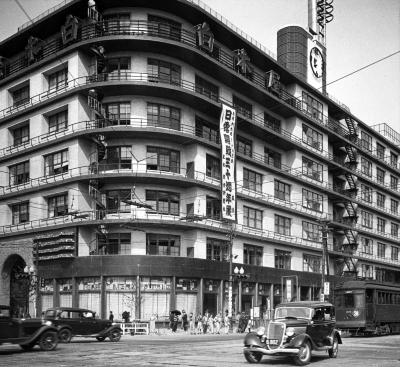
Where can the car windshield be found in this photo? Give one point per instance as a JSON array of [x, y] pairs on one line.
[[297, 312], [4, 312]]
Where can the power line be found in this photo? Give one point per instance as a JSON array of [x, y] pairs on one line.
[[362, 68], [22, 8]]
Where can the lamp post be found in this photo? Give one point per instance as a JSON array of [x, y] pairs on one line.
[[240, 274], [33, 285]]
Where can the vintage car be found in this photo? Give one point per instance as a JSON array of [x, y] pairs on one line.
[[298, 328], [26, 332], [72, 321]]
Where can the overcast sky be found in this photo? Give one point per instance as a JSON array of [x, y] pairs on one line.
[[362, 32]]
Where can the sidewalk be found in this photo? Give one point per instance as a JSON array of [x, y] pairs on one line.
[[167, 333]]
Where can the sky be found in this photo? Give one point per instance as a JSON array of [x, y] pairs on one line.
[[362, 32]]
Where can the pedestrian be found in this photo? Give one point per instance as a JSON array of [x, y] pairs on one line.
[[153, 323], [185, 322], [192, 324], [111, 316], [211, 324], [174, 322], [217, 323], [126, 315], [199, 329], [205, 322], [226, 322]]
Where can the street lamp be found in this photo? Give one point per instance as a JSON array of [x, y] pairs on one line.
[[240, 274]]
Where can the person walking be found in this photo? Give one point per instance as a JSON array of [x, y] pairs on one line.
[[111, 316], [205, 322], [185, 322], [199, 329], [192, 324], [226, 322]]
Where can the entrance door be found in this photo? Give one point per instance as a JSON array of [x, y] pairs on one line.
[[210, 303], [19, 290]]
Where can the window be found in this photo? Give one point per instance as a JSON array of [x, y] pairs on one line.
[[20, 135], [207, 130], [118, 22], [213, 208], [58, 79], [115, 201], [119, 113], [380, 175], [366, 193], [394, 183], [394, 229], [393, 159], [244, 146], [272, 158], [380, 151], [252, 217], [312, 263], [366, 141], [367, 271], [313, 107], [163, 159], [272, 122], [367, 246], [213, 167], [206, 88], [162, 71], [282, 225], [19, 173], [395, 253], [282, 259], [117, 244], [252, 255], [366, 167], [217, 249], [163, 244], [118, 65], [57, 205], [381, 250], [118, 157], [242, 107], [282, 190], [366, 219], [312, 169], [163, 116], [20, 96], [394, 206], [381, 223], [163, 202], [312, 137], [252, 180], [312, 200], [164, 27], [58, 121], [311, 231], [20, 213], [380, 200]]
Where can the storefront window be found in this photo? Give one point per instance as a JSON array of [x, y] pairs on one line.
[[65, 288], [121, 296]]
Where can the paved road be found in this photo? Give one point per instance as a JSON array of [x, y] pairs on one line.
[[193, 351]]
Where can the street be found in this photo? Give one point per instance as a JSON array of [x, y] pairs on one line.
[[194, 351]]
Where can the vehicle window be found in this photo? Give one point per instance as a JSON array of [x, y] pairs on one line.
[[63, 315], [75, 315], [50, 313], [329, 313], [88, 315], [4, 313], [318, 314], [298, 312]]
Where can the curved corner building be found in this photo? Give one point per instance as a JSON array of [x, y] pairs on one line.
[[110, 167]]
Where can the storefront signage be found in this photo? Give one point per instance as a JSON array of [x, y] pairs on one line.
[[227, 129]]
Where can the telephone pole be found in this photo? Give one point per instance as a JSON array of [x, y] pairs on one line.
[[325, 258]]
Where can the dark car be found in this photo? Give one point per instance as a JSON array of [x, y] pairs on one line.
[[298, 329], [26, 332], [72, 321]]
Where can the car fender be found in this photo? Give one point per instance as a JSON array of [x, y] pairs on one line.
[[253, 339], [299, 340], [36, 335], [105, 332], [338, 336]]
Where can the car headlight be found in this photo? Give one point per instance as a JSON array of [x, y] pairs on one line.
[[47, 323], [289, 331], [260, 331]]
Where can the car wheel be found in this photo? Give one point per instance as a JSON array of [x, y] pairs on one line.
[[64, 336], [48, 340], [101, 338], [335, 348], [252, 357], [115, 335], [304, 355]]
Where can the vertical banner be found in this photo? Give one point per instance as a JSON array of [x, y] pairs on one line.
[[227, 130]]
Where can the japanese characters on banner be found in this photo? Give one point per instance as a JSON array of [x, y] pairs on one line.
[[227, 129]]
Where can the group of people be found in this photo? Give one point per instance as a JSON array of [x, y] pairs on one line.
[[200, 324]]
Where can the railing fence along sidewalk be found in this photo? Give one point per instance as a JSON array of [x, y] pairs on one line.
[[134, 328]]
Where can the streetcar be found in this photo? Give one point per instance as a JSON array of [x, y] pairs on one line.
[[367, 307]]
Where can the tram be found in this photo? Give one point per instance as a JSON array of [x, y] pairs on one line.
[[367, 307]]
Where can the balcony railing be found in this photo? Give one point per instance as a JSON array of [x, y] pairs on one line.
[[188, 37]]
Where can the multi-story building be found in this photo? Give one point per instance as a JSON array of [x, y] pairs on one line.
[[110, 165]]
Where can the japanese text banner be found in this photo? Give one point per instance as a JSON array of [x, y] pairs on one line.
[[227, 129]]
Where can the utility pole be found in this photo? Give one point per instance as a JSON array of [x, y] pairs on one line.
[[230, 297], [325, 260]]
